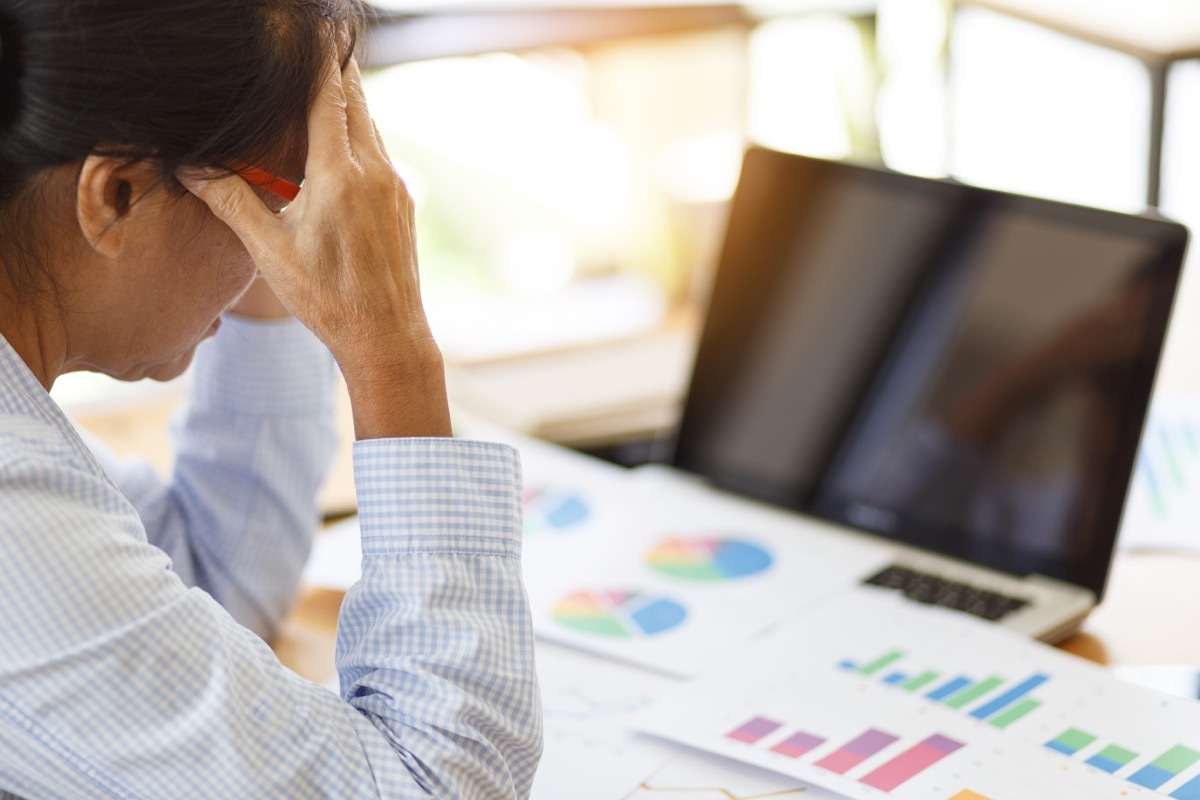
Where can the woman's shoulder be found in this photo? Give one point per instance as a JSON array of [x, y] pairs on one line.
[[30, 440], [46, 469]]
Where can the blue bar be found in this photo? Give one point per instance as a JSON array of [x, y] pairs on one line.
[[895, 678], [848, 665], [949, 688], [1106, 764], [1151, 776], [1189, 791], [1008, 698]]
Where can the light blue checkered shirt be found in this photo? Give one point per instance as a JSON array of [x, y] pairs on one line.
[[130, 666]]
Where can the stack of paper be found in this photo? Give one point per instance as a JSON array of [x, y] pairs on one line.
[[873, 696], [697, 646]]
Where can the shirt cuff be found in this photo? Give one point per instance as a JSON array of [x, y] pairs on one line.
[[438, 495], [269, 367]]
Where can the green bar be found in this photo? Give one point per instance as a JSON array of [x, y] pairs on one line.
[[1075, 739], [968, 696], [1117, 754], [1015, 713], [1177, 759], [881, 662], [912, 684]]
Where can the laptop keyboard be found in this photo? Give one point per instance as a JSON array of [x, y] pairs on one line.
[[925, 587]]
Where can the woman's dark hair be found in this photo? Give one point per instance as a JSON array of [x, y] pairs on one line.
[[182, 82]]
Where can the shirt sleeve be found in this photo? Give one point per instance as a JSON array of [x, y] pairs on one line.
[[252, 444], [117, 680]]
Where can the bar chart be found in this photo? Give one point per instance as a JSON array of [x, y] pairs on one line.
[[1113, 757], [798, 744], [753, 730], [1166, 767], [856, 751], [872, 699], [911, 762], [889, 775], [1189, 791], [994, 699]]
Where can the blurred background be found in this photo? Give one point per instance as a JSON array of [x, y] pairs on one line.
[[572, 162]]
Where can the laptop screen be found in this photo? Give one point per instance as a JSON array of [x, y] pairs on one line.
[[959, 369]]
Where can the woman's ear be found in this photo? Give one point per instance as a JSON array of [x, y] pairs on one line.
[[104, 200]]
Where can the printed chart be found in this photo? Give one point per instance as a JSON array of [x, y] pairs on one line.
[[708, 558], [622, 614], [711, 572], [873, 696], [848, 755], [591, 754], [587, 702], [1163, 508], [1112, 757], [995, 699], [569, 500], [554, 510], [691, 776]]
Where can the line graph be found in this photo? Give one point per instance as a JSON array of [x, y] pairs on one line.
[[582, 703]]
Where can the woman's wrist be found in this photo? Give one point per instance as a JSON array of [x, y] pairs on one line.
[[399, 398]]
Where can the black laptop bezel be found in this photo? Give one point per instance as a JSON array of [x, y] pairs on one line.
[[731, 299]]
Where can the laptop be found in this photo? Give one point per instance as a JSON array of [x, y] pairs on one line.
[[956, 375]]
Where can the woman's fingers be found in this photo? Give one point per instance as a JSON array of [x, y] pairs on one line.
[[360, 128], [342, 258], [327, 126], [343, 252], [233, 202]]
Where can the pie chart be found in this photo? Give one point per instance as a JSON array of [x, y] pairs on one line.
[[553, 510], [708, 558], [618, 614]]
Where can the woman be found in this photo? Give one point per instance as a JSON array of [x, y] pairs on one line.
[[139, 144]]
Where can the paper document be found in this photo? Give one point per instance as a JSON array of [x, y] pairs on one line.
[[590, 753], [694, 776], [1162, 511], [874, 696], [678, 576]]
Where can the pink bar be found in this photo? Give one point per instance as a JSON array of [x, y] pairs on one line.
[[856, 752], [754, 730], [797, 745], [841, 761], [910, 763]]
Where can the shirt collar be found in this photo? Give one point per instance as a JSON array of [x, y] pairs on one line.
[[21, 394]]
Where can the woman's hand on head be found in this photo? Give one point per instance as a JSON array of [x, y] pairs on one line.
[[342, 258]]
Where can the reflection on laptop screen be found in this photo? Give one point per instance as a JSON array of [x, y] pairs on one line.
[[963, 370]]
